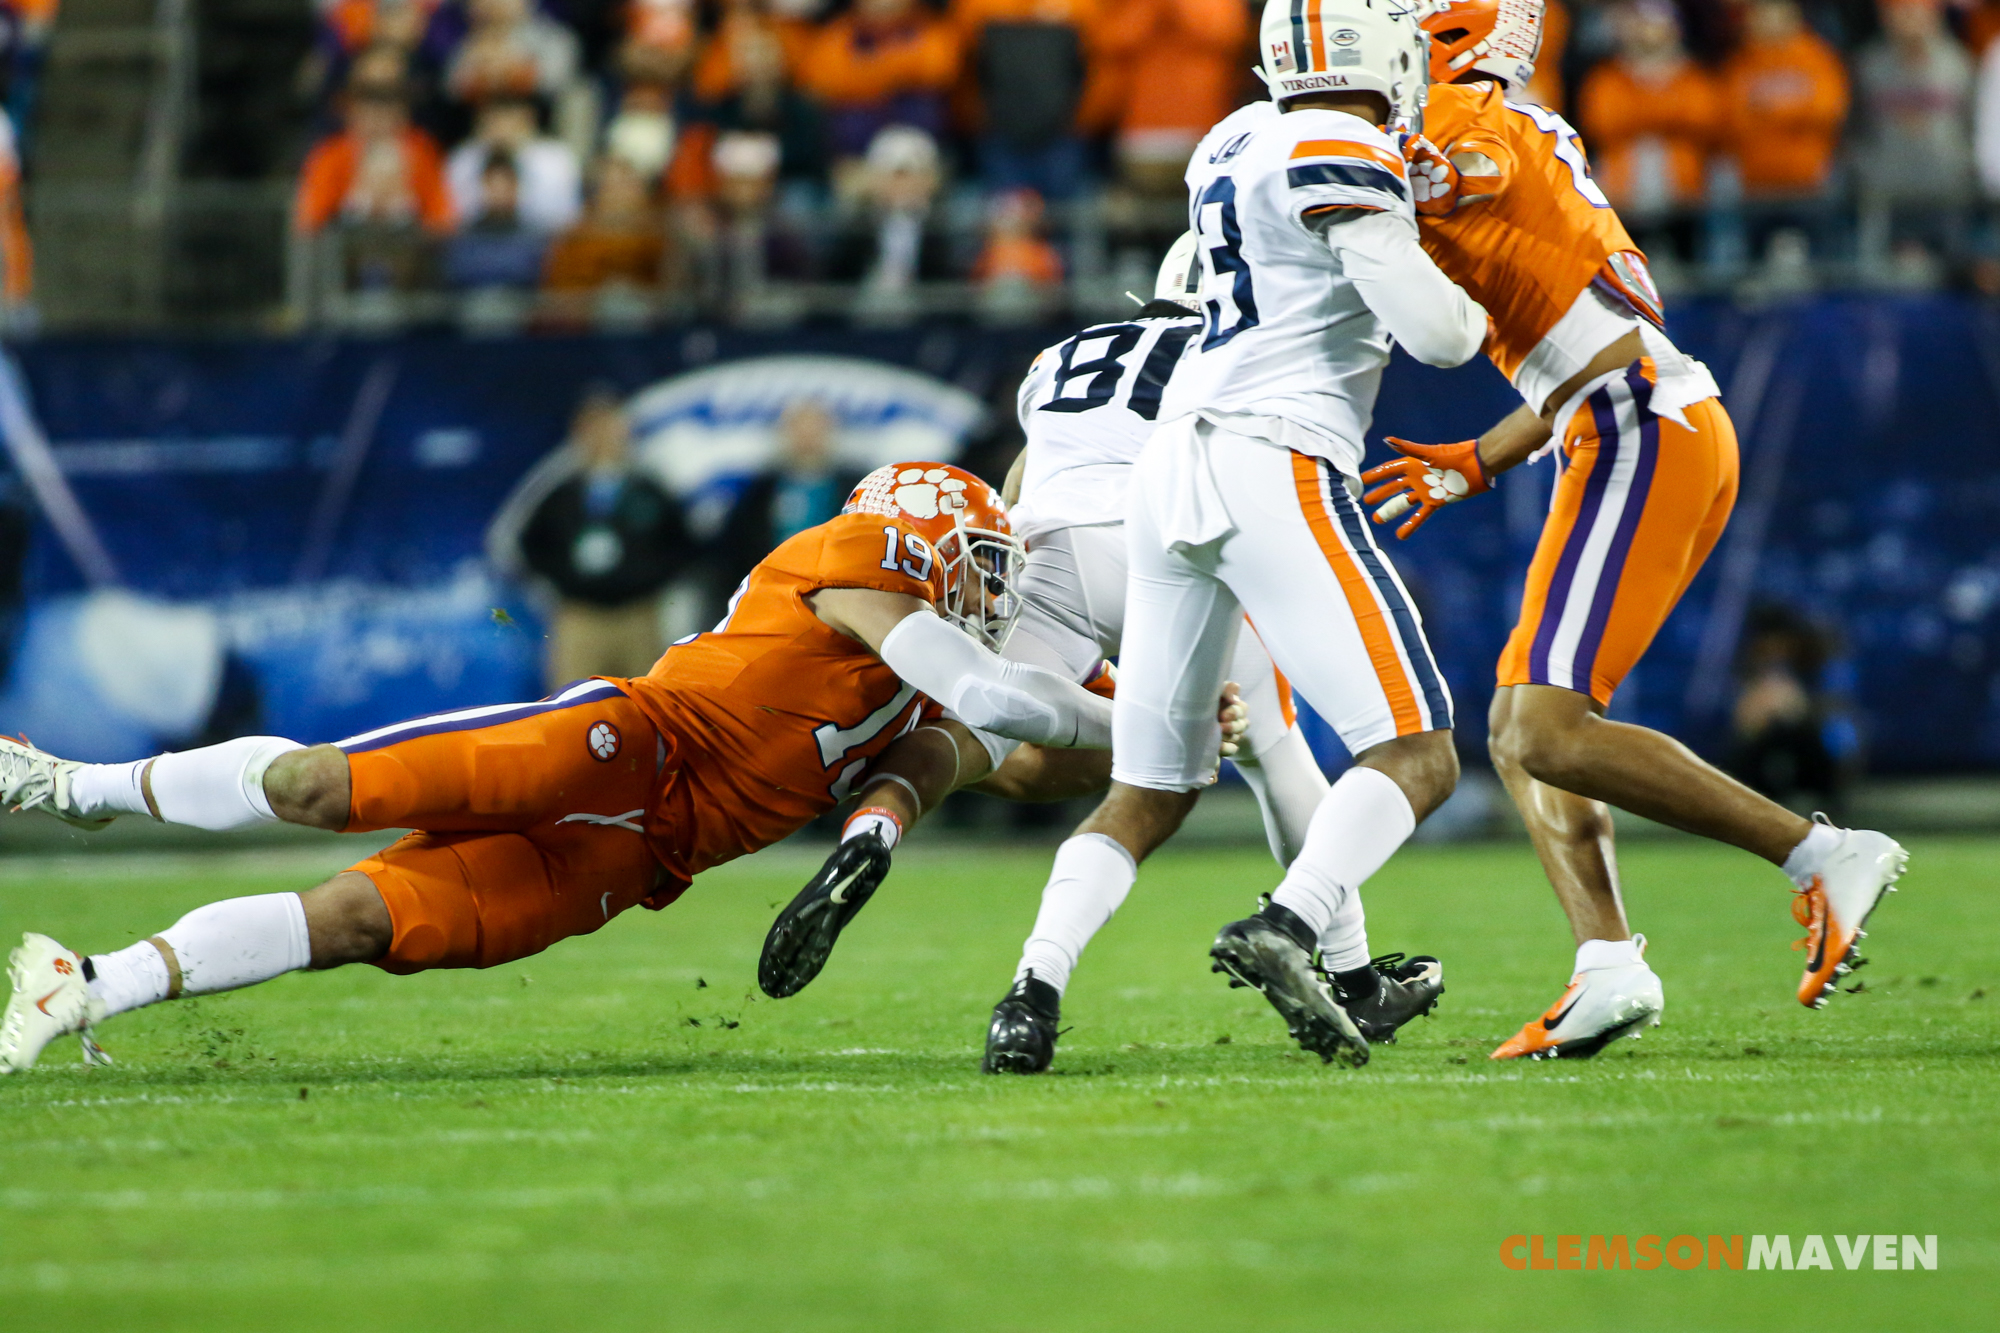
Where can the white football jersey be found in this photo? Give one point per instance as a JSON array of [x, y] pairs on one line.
[[1287, 336], [1087, 406]]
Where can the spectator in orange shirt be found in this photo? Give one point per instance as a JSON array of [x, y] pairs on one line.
[[884, 62], [378, 170], [736, 54], [1784, 98], [1030, 60], [1015, 251], [620, 246], [1650, 116], [1178, 61]]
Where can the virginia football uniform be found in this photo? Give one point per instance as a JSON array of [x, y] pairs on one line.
[[1087, 406], [1650, 462], [1245, 502], [545, 820]]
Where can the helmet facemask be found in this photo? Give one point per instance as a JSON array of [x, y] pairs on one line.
[[981, 570]]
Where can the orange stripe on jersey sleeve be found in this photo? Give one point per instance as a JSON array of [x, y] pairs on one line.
[[1368, 617], [1381, 157]]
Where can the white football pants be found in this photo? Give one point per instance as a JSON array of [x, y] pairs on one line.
[[1220, 526]]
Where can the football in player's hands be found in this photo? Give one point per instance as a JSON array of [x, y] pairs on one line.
[[1234, 715], [1426, 479], [1434, 181]]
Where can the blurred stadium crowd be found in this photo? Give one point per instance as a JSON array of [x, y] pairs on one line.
[[624, 162]]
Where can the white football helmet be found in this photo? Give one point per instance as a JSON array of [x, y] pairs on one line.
[[1333, 46], [1180, 273]]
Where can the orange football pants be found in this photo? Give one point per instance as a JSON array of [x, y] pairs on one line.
[[531, 819], [1639, 506]]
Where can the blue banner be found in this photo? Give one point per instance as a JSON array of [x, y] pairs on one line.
[[310, 514]]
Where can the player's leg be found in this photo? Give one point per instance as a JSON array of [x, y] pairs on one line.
[[460, 899], [1180, 627], [1640, 505], [1338, 622], [1274, 761], [219, 947], [256, 780]]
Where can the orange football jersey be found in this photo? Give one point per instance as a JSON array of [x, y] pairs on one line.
[[777, 713], [1548, 232]]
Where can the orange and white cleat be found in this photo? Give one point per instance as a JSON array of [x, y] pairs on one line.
[[1835, 904], [1601, 1005], [50, 999]]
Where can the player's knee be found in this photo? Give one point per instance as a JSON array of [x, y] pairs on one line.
[[310, 787], [347, 921], [1545, 753], [1429, 773], [1140, 818]]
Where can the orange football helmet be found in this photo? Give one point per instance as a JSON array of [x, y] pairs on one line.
[[1497, 37], [965, 521]]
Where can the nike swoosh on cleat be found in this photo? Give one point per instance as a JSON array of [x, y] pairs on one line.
[[43, 1003], [838, 894], [1551, 1024]]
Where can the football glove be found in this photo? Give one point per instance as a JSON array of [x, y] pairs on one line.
[[1434, 181], [1427, 478]]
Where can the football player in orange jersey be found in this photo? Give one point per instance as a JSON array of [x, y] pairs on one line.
[[541, 821], [1509, 211]]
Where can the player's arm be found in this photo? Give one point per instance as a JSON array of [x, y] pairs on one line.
[[1426, 312], [1010, 699], [1010, 489]]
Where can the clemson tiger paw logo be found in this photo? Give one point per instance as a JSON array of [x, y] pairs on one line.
[[603, 742], [926, 494]]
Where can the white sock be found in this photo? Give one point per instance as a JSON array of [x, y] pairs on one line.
[[130, 978], [109, 789], [1343, 945], [223, 946], [1809, 857], [1362, 821], [1289, 786], [218, 787], [1090, 878], [873, 819], [1607, 953]]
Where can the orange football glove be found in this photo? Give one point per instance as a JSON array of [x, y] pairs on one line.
[[1426, 479], [1434, 181]]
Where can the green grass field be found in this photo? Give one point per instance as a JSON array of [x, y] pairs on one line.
[[619, 1135]]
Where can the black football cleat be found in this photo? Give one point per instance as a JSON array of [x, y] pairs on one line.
[[803, 935], [1021, 1039], [1404, 989], [1272, 953]]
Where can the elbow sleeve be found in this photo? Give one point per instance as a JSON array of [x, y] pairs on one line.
[[1426, 312], [1010, 699]]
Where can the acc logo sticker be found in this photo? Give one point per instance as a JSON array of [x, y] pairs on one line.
[[1345, 37], [603, 742]]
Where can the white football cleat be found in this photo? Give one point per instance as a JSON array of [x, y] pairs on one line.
[[1601, 1005], [32, 779], [1834, 905], [51, 999]]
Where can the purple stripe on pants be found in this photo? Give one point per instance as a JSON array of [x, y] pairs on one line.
[[1628, 523], [436, 724], [1606, 416]]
